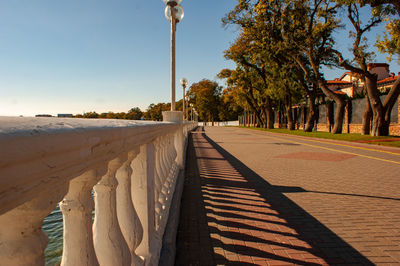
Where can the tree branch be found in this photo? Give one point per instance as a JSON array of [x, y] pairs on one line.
[[347, 66]]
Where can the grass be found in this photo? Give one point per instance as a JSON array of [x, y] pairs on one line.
[[352, 137]]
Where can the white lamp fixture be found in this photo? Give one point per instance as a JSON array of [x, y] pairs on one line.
[[184, 83], [178, 11]]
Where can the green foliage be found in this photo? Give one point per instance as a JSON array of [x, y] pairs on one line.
[[205, 97], [391, 40], [134, 114], [154, 111]]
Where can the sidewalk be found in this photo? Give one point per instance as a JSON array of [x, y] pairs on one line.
[[230, 215]]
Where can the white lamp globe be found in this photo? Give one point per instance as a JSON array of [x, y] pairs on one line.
[[184, 82], [179, 13]]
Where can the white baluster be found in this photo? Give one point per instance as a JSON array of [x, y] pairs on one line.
[[171, 164], [109, 243], [174, 164], [179, 147], [158, 181], [77, 207], [158, 172], [22, 241], [164, 168], [142, 189], [127, 217]]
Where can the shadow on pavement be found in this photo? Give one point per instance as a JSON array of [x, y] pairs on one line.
[[233, 216]]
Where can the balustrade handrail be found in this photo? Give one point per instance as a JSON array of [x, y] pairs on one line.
[[132, 167]]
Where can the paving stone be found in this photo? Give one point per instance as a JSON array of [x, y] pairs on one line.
[[258, 203]]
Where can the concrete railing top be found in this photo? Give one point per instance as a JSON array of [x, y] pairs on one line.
[[19, 126], [36, 152]]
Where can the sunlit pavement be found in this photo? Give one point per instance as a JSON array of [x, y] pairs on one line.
[[256, 198]]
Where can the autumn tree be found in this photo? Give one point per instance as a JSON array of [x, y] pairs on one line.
[[90, 115], [391, 45], [311, 31], [253, 72], [154, 111], [205, 96], [271, 32], [134, 114]]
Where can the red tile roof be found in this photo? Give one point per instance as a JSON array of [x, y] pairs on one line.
[[337, 82], [389, 79]]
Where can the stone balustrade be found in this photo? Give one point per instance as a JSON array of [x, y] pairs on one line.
[[124, 171]]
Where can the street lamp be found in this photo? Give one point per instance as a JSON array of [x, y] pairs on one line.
[[184, 83], [174, 13], [191, 109], [187, 108]]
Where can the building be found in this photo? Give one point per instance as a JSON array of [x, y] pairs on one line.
[[65, 115], [351, 83]]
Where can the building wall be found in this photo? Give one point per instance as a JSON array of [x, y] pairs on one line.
[[381, 71], [348, 91]]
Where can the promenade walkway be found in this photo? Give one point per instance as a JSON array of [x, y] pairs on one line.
[[257, 198]]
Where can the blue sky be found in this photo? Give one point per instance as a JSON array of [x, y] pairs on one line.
[[100, 55]]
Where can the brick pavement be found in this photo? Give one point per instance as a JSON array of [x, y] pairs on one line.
[[233, 215]]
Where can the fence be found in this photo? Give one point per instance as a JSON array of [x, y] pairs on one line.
[[220, 124], [352, 122], [131, 166]]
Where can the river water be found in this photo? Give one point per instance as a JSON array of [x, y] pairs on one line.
[[53, 227]]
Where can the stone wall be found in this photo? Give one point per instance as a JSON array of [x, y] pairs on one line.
[[352, 122]]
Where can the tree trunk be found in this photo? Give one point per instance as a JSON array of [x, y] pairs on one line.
[[339, 115], [303, 116], [316, 117], [270, 114], [340, 104], [388, 105], [365, 129], [376, 105], [340, 107], [329, 115], [295, 118], [311, 114], [270, 118], [289, 113], [264, 118], [349, 111]]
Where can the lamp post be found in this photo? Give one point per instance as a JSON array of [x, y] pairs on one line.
[[174, 13], [191, 109], [187, 107], [184, 83]]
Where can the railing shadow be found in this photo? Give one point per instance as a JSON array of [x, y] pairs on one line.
[[239, 218]]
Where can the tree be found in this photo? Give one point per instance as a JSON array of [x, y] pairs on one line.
[[228, 109], [361, 58], [134, 114], [272, 45], [311, 33], [233, 99], [205, 96], [380, 110], [90, 115], [154, 111], [391, 45]]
